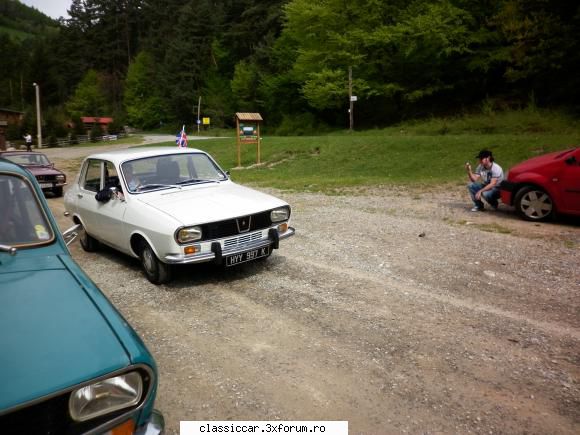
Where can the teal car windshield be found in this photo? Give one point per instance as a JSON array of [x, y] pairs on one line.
[[22, 219]]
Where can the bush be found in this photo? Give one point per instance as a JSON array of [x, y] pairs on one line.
[[13, 132], [78, 126], [96, 132], [304, 124], [52, 141]]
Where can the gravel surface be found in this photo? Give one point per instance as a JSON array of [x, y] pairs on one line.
[[395, 309]]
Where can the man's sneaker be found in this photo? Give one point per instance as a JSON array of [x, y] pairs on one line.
[[474, 209]]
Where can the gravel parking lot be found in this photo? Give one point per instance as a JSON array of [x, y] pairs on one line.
[[395, 309]]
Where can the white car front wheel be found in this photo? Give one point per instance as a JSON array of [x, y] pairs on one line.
[[88, 243], [156, 271]]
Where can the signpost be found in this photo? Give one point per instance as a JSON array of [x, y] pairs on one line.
[[351, 98], [198, 109], [248, 132]]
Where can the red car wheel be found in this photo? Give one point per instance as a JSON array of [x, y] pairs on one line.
[[534, 204]]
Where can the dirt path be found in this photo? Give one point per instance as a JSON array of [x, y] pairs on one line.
[[397, 310]]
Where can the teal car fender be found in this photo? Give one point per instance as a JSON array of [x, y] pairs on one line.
[[59, 334]]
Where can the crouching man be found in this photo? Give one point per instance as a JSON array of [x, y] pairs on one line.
[[485, 181]]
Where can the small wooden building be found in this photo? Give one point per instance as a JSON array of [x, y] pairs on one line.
[[90, 121], [248, 131], [8, 117]]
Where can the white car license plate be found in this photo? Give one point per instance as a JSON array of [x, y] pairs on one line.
[[45, 185], [243, 257]]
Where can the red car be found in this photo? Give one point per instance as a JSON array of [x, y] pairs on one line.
[[541, 186], [49, 178]]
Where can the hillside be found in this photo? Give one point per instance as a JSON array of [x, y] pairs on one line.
[[21, 21]]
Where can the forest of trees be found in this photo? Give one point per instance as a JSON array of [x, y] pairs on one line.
[[146, 62]]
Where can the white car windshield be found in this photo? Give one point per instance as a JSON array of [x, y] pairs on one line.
[[22, 219], [174, 170]]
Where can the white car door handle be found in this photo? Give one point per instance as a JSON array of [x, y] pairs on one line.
[[80, 195]]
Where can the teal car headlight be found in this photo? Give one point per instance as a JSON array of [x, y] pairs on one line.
[[280, 214], [188, 234], [106, 396]]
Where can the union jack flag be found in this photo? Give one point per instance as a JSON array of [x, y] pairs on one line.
[[181, 138]]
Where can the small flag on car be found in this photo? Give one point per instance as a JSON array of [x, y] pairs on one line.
[[181, 138]]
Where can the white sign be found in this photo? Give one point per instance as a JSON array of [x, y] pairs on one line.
[[245, 427], [353, 98]]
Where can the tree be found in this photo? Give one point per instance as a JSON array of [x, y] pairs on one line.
[[11, 73], [541, 40], [244, 85], [189, 56], [143, 101], [398, 51], [88, 99]]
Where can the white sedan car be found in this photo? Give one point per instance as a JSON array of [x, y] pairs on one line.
[[170, 206]]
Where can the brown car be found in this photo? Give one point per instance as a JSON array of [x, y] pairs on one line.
[[49, 178]]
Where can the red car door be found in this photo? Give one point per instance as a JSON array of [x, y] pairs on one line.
[[570, 184]]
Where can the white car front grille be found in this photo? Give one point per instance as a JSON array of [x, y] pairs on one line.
[[234, 242]]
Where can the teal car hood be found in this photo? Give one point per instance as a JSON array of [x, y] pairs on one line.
[[52, 336]]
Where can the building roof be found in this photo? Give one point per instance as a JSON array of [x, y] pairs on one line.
[[10, 111], [96, 119], [242, 116]]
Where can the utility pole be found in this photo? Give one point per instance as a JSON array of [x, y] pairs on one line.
[[198, 107], [38, 122], [350, 99]]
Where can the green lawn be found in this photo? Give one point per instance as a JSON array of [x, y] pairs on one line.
[[328, 162], [409, 154]]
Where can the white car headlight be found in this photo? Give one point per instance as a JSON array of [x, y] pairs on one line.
[[60, 178], [280, 214], [189, 234], [106, 396]]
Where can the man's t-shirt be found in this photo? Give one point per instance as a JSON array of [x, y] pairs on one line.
[[487, 174]]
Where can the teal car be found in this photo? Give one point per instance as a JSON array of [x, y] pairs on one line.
[[69, 362]]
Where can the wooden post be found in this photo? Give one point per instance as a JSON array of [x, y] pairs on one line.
[[258, 141], [238, 140]]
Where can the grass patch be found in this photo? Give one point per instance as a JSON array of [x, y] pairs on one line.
[[493, 228], [569, 244], [419, 156], [14, 33], [527, 121], [71, 166]]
